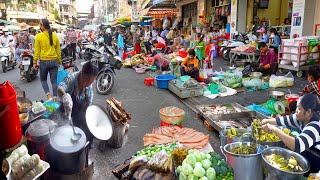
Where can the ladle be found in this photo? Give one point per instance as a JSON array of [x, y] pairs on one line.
[[76, 136]]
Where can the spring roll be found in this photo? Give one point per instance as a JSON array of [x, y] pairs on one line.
[[25, 166], [17, 153], [39, 168]]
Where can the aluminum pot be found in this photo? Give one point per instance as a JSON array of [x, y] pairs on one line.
[[246, 134], [274, 173], [244, 166], [65, 155]]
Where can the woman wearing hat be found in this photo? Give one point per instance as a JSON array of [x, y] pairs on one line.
[[47, 49], [263, 36], [23, 43]]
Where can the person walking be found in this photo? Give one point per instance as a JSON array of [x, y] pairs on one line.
[[47, 49], [146, 38], [121, 43], [72, 39]]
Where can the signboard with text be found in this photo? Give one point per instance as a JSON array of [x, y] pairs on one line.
[[297, 18], [64, 2], [234, 16], [135, 16]]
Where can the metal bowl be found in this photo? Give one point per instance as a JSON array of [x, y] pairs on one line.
[[255, 74], [6, 165], [21, 100], [275, 173], [276, 94]]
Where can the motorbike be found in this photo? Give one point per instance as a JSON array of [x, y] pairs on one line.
[[91, 49], [65, 50], [240, 40], [7, 58], [26, 68], [80, 47], [107, 63]]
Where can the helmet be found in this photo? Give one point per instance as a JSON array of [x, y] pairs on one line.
[[108, 30]]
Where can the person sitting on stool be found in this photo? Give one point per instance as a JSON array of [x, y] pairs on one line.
[[190, 65], [268, 63]]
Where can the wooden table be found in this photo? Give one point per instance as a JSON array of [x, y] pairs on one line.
[[250, 57]]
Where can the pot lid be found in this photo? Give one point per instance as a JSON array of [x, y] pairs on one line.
[[39, 130], [61, 140], [98, 122]]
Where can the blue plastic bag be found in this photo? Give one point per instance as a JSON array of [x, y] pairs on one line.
[[260, 109], [62, 73]]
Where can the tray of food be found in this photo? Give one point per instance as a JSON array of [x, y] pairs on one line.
[[221, 111]]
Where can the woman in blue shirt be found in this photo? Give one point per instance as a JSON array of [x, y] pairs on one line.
[[276, 41]]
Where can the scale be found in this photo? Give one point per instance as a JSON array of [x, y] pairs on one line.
[[274, 104]]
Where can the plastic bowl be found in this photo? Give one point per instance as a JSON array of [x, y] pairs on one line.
[[140, 70], [24, 117], [163, 80], [7, 167], [184, 78], [172, 115]]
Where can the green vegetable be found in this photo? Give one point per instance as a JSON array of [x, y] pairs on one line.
[[204, 178], [191, 151], [192, 177], [211, 174], [199, 171], [198, 157], [191, 159], [223, 170], [198, 164], [206, 164], [182, 176], [179, 169], [187, 169]]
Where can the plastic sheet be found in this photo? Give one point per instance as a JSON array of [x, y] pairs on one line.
[[260, 109]]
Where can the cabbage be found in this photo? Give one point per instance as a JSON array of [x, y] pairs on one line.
[[198, 157], [179, 170], [187, 169], [206, 164], [191, 151], [198, 164], [192, 177], [203, 155], [199, 171], [211, 174], [182, 176], [191, 159], [208, 156], [204, 178]]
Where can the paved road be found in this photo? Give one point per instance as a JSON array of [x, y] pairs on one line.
[[143, 103]]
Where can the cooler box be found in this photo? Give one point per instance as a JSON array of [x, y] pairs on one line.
[[177, 87]]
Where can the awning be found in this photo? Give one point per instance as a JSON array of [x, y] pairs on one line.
[[161, 13]]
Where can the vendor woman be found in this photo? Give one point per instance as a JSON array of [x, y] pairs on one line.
[[307, 120], [76, 94], [190, 65]]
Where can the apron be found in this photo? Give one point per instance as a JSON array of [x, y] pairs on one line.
[[79, 113]]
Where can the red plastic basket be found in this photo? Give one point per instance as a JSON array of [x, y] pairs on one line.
[[162, 123]]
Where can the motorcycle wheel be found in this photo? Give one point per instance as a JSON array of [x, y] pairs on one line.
[[87, 56], [104, 82], [4, 67], [225, 54]]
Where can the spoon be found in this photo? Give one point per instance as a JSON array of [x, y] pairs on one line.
[[76, 136]]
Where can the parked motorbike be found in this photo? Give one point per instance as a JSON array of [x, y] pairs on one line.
[[90, 49], [240, 40], [80, 47], [65, 50], [7, 58], [107, 63], [26, 69]]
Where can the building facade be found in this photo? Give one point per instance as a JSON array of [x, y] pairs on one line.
[[68, 11]]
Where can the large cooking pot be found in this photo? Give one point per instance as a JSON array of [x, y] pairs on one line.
[[224, 139], [244, 166], [38, 134], [278, 174], [65, 155]]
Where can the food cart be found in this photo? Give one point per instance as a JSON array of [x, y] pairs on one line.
[[249, 57]]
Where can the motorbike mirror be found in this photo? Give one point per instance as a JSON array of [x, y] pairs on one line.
[[11, 40]]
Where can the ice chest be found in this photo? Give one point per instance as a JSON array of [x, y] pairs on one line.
[[178, 88]]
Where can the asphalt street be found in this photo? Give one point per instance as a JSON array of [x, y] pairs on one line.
[[143, 103]]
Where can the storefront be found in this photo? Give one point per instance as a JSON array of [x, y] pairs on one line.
[[190, 11]]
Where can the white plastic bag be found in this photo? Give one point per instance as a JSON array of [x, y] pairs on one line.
[[281, 81]]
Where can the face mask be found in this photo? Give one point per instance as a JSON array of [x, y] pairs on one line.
[[190, 57], [6, 33], [271, 35]]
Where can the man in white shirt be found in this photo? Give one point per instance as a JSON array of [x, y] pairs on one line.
[[147, 37], [61, 37], [7, 40]]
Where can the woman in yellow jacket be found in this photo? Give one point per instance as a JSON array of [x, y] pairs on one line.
[[47, 50]]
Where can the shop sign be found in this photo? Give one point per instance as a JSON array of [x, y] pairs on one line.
[[135, 16], [64, 2], [234, 15], [297, 18]]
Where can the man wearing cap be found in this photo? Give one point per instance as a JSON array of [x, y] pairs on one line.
[[263, 36], [24, 42], [72, 38]]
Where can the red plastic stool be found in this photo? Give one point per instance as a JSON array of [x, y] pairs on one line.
[[162, 123], [149, 81]]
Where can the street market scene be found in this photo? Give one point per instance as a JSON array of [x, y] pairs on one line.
[[160, 89]]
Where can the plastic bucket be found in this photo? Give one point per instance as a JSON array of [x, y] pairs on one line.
[[163, 80], [228, 28]]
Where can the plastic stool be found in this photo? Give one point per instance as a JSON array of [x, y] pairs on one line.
[[149, 81]]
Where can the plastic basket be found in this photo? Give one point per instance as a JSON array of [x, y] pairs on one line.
[[163, 81], [172, 115]]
